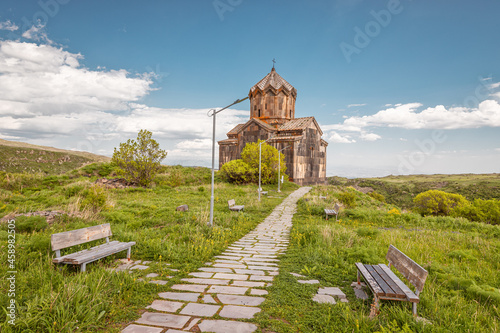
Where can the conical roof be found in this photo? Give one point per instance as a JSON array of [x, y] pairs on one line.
[[275, 81]]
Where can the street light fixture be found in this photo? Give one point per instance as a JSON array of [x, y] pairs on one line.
[[213, 113], [279, 167], [260, 160]]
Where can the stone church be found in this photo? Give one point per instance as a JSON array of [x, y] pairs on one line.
[[272, 116]]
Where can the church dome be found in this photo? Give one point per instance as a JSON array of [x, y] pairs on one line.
[[274, 80]]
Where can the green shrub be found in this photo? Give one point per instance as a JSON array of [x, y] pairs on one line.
[[95, 198], [39, 243], [30, 223], [434, 202], [377, 196], [237, 172], [480, 210], [348, 199], [367, 232]]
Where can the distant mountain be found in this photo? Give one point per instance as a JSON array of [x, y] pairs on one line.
[[21, 157]]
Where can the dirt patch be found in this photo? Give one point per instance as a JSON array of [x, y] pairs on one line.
[[49, 215], [115, 183]]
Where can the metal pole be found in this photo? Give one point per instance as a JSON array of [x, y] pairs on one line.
[[214, 113], [213, 173], [279, 167], [279, 171], [260, 158]]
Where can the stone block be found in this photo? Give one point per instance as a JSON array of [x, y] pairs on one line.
[[200, 310], [240, 300], [324, 299], [163, 319], [238, 312], [226, 326], [165, 306], [141, 329], [227, 290], [182, 208], [188, 297]]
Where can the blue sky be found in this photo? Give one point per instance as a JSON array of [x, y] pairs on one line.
[[398, 87]]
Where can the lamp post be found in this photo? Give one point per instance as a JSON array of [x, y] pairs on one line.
[[260, 160], [213, 114], [279, 167]]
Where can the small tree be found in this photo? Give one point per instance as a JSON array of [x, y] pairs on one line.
[[139, 161], [247, 169]]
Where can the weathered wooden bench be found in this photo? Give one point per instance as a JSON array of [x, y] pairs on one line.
[[385, 285], [232, 206], [334, 211], [80, 236]]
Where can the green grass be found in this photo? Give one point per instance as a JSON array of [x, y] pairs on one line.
[[461, 293], [54, 298], [400, 190]]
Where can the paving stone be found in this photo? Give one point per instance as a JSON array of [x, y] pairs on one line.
[[226, 326], [160, 282], [344, 300], [152, 275], [163, 319], [263, 268], [260, 278], [258, 292], [206, 281], [273, 273], [230, 266], [308, 281], [201, 310], [228, 257], [205, 275], [298, 275], [249, 271], [241, 277], [139, 267], [146, 262], [227, 290], [197, 288], [355, 285], [215, 270], [333, 291], [238, 312], [171, 330], [209, 299], [324, 299], [240, 300], [166, 306], [191, 324], [141, 329], [248, 284], [259, 263], [360, 293]]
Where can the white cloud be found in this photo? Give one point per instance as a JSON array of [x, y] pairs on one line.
[[406, 116], [337, 138], [8, 25], [370, 137], [354, 105], [44, 80], [37, 32], [196, 144]]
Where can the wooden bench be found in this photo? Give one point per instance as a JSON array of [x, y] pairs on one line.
[[385, 285], [334, 211], [232, 206], [80, 236]]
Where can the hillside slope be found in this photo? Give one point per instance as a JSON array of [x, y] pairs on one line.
[[20, 157]]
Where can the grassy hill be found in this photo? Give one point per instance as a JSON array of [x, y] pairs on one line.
[[400, 190], [20, 157]]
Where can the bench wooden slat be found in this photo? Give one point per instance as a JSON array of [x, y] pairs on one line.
[[233, 207], [412, 271], [82, 254], [380, 281], [410, 295], [75, 237], [370, 280], [72, 255], [390, 281], [99, 253]]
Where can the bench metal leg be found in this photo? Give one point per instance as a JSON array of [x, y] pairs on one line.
[[414, 308], [128, 253], [375, 307], [83, 266], [359, 282]]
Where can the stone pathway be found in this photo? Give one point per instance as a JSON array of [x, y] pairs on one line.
[[224, 293]]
